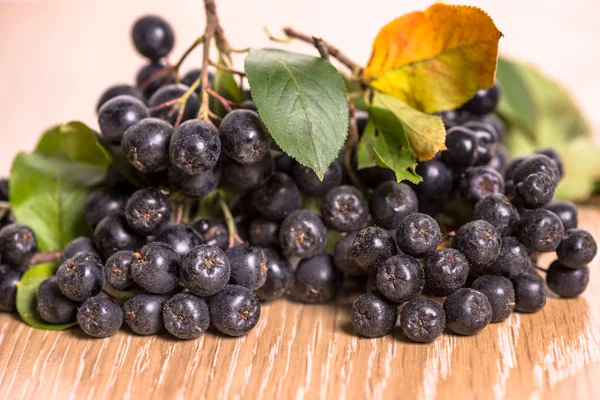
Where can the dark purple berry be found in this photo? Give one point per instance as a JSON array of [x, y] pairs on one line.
[[499, 291], [372, 246], [422, 320], [186, 316], [205, 270], [302, 234], [52, 305], [400, 278], [156, 268], [146, 144], [235, 310], [116, 270], [467, 311], [373, 316], [80, 277], [577, 249], [280, 277], [344, 209], [446, 270], [244, 137], [144, 313], [391, 202], [317, 280]]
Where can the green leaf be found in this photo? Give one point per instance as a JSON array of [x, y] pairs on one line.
[[302, 101], [224, 84], [121, 164], [26, 297]]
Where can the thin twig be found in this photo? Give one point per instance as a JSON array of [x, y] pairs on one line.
[[212, 115], [179, 215], [226, 103], [276, 39], [196, 43], [156, 75], [320, 45], [227, 69], [234, 238], [212, 23], [45, 257]]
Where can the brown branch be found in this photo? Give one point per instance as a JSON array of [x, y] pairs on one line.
[[196, 43], [227, 69], [226, 103], [212, 24], [332, 50], [320, 45], [45, 257]]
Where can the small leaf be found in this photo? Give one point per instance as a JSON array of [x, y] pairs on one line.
[[224, 84], [435, 60], [426, 133], [26, 297], [302, 101]]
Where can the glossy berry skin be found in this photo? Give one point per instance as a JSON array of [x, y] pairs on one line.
[[498, 211], [80, 277], [118, 114], [530, 294], [391, 202], [317, 280], [487, 138], [100, 317], [566, 211], [446, 270], [462, 147], [437, 181], [195, 147], [302, 234], [418, 234], [374, 176], [235, 310], [152, 77], [52, 305], [534, 164], [277, 198], [373, 315], [540, 230], [479, 242], [342, 256], [195, 185], [479, 182], [264, 233], [372, 246], [153, 37], [113, 234], [248, 176], [535, 191], [244, 137], [554, 156], [500, 158], [422, 320], [509, 173], [103, 203], [186, 316], [143, 313], [248, 266], [156, 268], [400, 278], [17, 244], [82, 244], [9, 277], [512, 261], [284, 163], [309, 182], [179, 237], [205, 270], [467, 311], [148, 211], [170, 113], [484, 101], [577, 249], [567, 282], [280, 277], [212, 232], [118, 90], [344, 209], [116, 270], [499, 291], [146, 144]]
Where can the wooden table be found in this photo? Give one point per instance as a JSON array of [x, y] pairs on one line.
[[306, 351]]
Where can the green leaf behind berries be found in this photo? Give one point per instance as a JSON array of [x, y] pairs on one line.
[[302, 101], [225, 85]]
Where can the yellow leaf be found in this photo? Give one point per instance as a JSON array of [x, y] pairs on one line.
[[426, 133], [435, 60]]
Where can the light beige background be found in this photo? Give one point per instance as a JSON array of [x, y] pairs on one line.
[[56, 57]]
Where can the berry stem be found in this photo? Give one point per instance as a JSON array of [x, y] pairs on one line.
[[225, 68], [196, 43], [226, 103], [234, 238], [276, 39], [45, 257], [212, 23], [320, 45]]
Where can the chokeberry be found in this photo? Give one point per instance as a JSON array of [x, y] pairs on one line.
[[509, 173], [374, 176], [567, 282], [317, 280], [344, 209], [467, 311], [566, 211], [235, 310], [118, 114], [205, 270], [512, 261], [148, 211], [554, 156], [117, 270], [52, 305], [17, 244], [391, 202], [248, 176], [152, 77], [437, 181], [9, 277], [400, 278], [462, 147], [534, 191], [82, 244], [540, 230], [144, 313], [499, 291], [212, 232], [80, 277], [173, 113], [310, 183], [284, 163], [302, 234], [195, 185], [418, 234], [264, 232], [530, 293], [186, 316], [500, 158], [372, 246], [277, 198], [479, 182], [195, 147], [537, 163], [484, 101], [342, 256], [422, 320], [446, 270], [479, 242], [118, 90], [153, 37], [113, 234], [577, 249], [179, 237], [244, 137], [156, 268], [248, 266], [192, 75], [373, 315], [280, 276], [487, 138], [103, 203], [100, 317], [146, 144], [497, 210]]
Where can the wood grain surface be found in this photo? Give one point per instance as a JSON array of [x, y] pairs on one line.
[[301, 351]]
